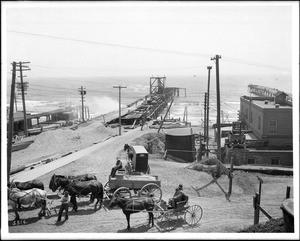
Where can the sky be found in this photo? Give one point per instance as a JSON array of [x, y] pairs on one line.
[[74, 39]]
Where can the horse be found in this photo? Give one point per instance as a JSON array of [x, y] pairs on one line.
[[83, 177], [78, 188], [27, 197], [26, 185], [80, 178], [129, 151], [134, 205]]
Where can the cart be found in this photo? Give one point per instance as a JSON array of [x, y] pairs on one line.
[[168, 219], [134, 182]]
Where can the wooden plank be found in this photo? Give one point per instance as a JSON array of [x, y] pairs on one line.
[[264, 212]]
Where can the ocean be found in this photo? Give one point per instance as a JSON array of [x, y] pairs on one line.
[[45, 94]]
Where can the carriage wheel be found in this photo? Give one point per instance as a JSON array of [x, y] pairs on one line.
[[123, 192], [106, 190], [193, 215], [106, 186], [168, 221], [153, 190], [158, 211]]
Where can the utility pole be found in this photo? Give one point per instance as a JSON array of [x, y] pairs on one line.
[[82, 91], [11, 120], [207, 109], [217, 57], [23, 87], [16, 103], [205, 112], [120, 122]]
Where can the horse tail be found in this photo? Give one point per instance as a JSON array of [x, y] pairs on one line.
[[100, 191], [41, 186]]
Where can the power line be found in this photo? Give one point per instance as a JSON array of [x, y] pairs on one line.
[[112, 45], [230, 59], [241, 61]]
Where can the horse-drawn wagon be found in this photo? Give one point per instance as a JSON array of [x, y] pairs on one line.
[[168, 219], [135, 178]]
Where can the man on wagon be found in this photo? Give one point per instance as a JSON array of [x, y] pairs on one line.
[[178, 196], [116, 168]]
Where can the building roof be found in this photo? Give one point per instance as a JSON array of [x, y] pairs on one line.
[[279, 93], [266, 104], [269, 105], [179, 132]]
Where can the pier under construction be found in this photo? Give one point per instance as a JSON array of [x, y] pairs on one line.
[[153, 105]]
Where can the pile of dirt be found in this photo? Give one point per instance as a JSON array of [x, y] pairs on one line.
[[153, 142], [247, 183], [272, 226]]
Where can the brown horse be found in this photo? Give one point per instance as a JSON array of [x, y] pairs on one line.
[[26, 185], [78, 188], [134, 205]]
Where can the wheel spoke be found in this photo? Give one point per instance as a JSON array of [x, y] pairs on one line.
[[152, 189], [193, 215]]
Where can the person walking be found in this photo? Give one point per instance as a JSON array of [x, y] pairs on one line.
[[65, 200]]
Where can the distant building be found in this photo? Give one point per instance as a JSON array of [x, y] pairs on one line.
[[270, 119], [267, 124]]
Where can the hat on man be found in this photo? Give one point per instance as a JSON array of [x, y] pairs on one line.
[[180, 186]]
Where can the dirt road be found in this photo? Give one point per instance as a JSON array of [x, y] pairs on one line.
[[219, 215]]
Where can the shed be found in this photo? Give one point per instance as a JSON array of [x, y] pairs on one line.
[[180, 143]]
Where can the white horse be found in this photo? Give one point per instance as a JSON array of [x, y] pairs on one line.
[[28, 197]]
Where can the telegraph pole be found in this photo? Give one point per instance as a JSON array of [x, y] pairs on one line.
[[205, 112], [23, 86], [217, 57], [82, 91], [120, 87], [11, 120], [207, 109]]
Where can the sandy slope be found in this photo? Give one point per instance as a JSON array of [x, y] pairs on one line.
[[219, 215]]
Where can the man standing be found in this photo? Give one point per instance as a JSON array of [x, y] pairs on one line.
[[65, 200]]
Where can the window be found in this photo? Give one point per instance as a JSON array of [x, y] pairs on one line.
[[275, 161], [272, 126], [259, 124], [251, 161]]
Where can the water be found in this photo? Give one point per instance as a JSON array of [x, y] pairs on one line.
[[45, 94]]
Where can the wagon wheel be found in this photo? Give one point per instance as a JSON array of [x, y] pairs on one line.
[[151, 189], [193, 215], [106, 186], [158, 211], [106, 190], [123, 192], [168, 221]]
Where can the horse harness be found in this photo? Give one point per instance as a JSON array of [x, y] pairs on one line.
[[135, 201], [19, 198], [72, 188]]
